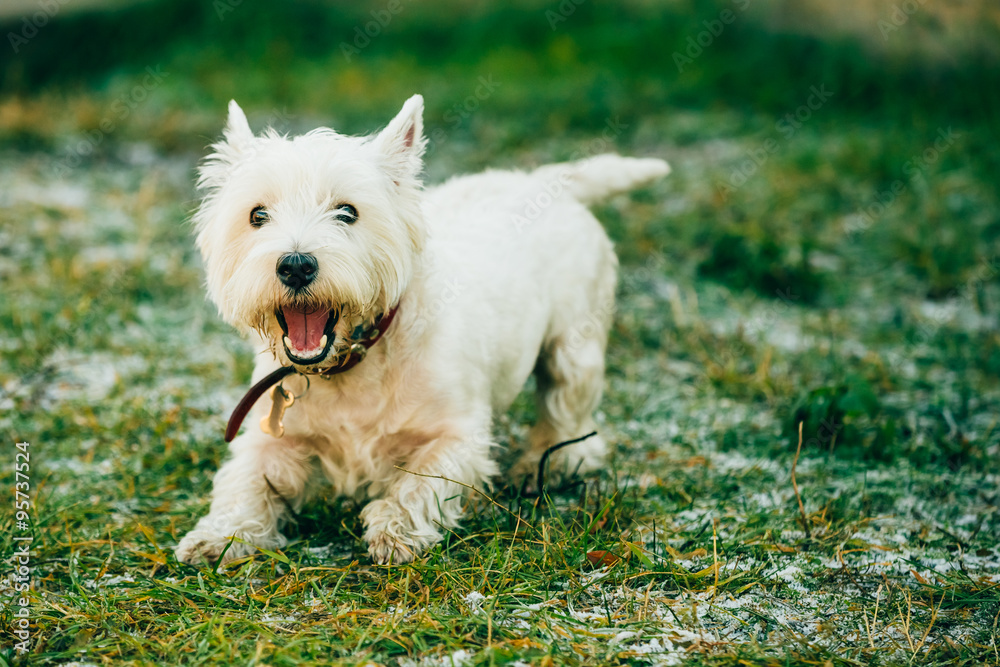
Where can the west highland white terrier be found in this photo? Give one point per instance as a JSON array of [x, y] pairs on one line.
[[394, 322]]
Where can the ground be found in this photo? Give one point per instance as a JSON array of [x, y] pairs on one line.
[[836, 273]]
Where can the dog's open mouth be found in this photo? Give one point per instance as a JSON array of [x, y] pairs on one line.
[[308, 333]]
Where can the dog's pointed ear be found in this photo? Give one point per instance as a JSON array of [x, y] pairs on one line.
[[402, 143], [237, 132], [237, 144]]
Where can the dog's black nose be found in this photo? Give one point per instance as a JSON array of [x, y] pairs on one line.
[[297, 269]]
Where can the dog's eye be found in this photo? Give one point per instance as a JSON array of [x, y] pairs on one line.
[[258, 216], [346, 213]]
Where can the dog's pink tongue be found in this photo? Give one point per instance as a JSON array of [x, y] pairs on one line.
[[305, 328]]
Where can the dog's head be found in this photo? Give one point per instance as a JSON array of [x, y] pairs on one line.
[[306, 239]]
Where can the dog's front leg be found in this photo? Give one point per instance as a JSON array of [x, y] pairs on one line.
[[251, 496], [424, 498]]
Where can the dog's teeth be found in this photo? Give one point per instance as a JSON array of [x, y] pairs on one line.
[[288, 343], [322, 342]]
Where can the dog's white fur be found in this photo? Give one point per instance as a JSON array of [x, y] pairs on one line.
[[498, 275]]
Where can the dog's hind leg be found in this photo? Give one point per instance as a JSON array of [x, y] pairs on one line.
[[570, 380], [251, 497]]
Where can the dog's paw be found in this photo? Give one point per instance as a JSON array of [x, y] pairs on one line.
[[386, 549], [203, 547], [393, 534]]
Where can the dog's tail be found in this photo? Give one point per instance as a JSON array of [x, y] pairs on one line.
[[595, 178]]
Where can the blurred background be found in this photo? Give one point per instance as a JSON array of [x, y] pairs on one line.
[[829, 237]]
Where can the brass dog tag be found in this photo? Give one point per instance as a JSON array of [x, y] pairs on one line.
[[281, 399]]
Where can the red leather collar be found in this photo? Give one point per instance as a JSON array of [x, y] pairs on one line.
[[354, 357]]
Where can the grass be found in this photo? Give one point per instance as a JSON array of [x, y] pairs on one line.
[[755, 296]]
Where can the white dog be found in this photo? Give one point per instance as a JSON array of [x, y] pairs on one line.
[[314, 242]]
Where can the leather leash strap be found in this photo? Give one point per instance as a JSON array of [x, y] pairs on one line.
[[352, 360], [256, 391]]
